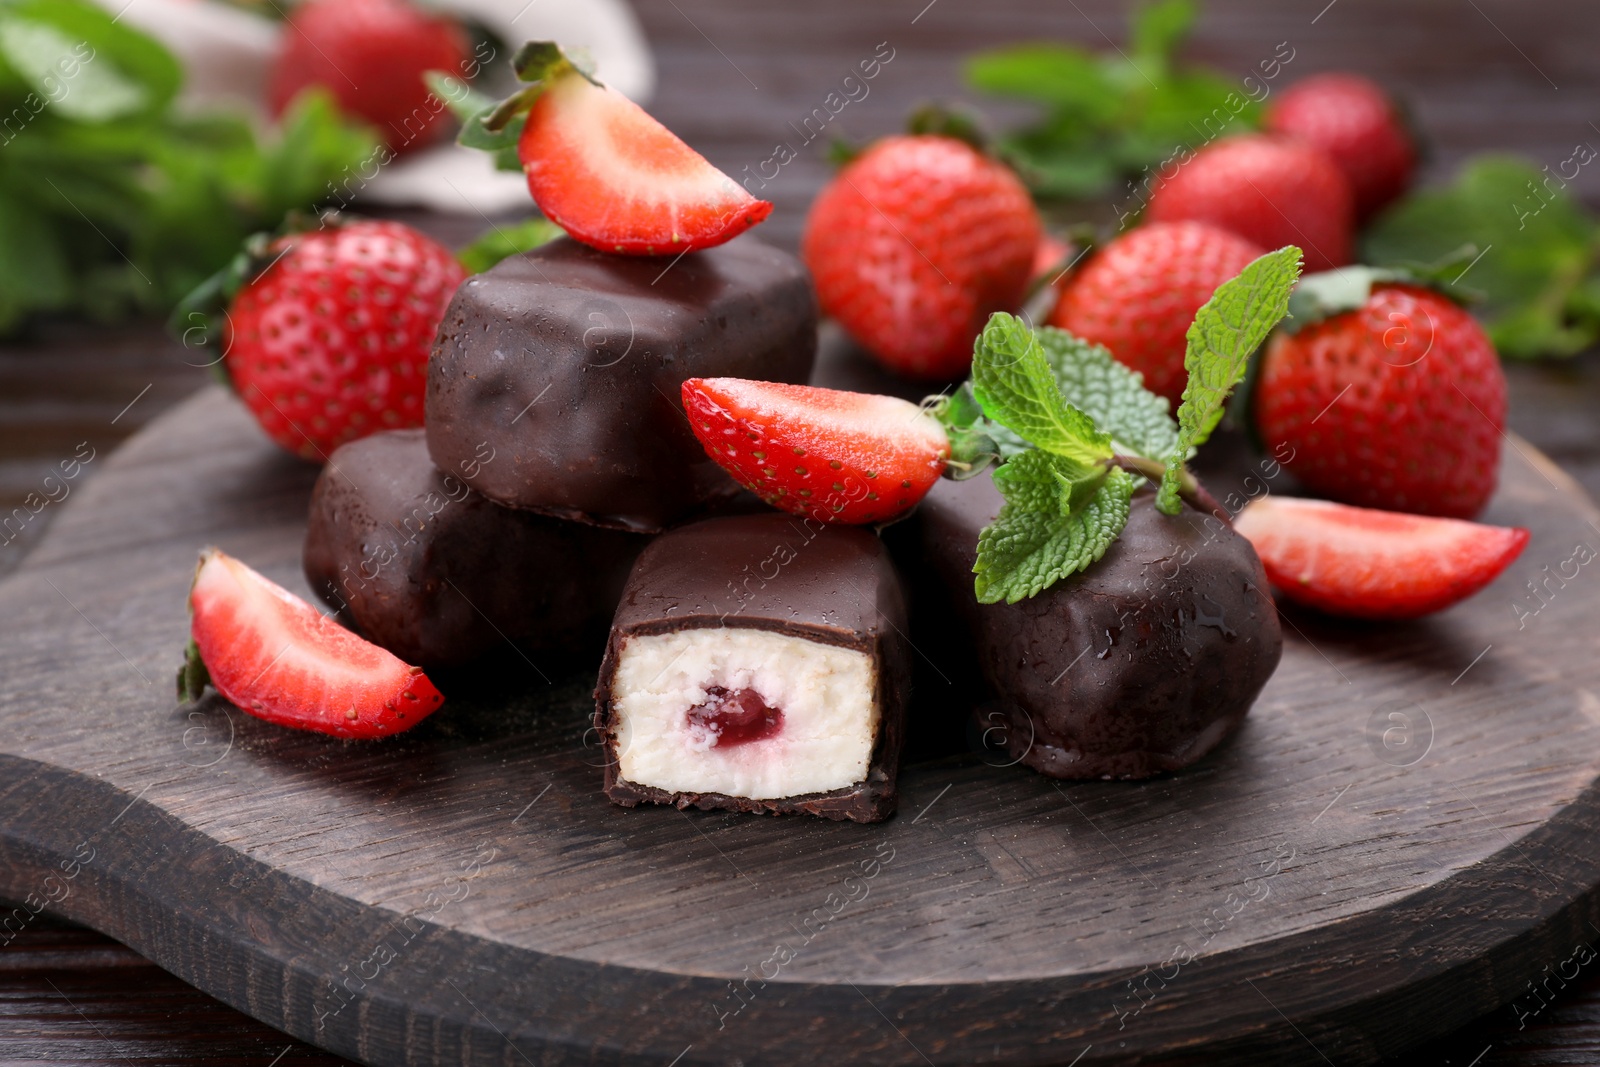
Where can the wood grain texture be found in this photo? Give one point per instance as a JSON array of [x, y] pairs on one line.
[[464, 892]]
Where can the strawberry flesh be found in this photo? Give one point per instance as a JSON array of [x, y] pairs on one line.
[[281, 660], [1369, 564], [616, 179], [829, 454]]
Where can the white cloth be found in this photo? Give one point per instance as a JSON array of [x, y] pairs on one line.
[[226, 52]]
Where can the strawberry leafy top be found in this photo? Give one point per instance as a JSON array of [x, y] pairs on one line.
[[1075, 433], [496, 125]]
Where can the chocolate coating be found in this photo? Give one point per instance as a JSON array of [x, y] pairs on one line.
[[831, 584], [1140, 665], [569, 363], [436, 574]]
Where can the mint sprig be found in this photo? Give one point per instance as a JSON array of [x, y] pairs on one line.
[[1041, 535], [1075, 432], [1016, 388], [1225, 332]]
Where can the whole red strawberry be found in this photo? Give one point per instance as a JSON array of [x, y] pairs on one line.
[[371, 55], [1356, 124], [1398, 404], [1273, 191], [330, 342], [914, 244], [1138, 295]]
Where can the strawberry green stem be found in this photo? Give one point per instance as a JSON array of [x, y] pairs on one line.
[[1189, 487]]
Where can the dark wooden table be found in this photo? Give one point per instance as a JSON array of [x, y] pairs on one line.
[[1482, 74]]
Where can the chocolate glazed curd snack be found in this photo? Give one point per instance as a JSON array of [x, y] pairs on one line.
[[757, 663], [1141, 664], [430, 570], [569, 362]]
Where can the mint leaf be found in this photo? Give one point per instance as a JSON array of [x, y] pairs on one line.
[[1160, 29], [1013, 381], [1041, 535], [1539, 249], [1226, 330], [1110, 115], [40, 52], [502, 242], [1091, 379]]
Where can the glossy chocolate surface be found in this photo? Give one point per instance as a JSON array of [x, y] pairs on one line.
[[793, 576], [568, 362], [429, 569], [1140, 665]]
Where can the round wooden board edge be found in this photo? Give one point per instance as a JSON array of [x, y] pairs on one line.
[[1529, 914]]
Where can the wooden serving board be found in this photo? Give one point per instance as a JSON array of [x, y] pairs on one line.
[[1400, 838]]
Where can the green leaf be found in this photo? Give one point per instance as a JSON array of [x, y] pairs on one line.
[[107, 59], [1040, 536], [463, 100], [1013, 382], [1538, 247], [972, 437], [1062, 76], [96, 92], [1226, 331], [193, 677], [1112, 115], [319, 157], [500, 242], [1160, 29], [34, 271], [1110, 394]]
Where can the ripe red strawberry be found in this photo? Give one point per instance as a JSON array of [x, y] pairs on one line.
[[371, 55], [1356, 124], [833, 455], [1272, 191], [613, 177], [1050, 258], [1374, 564], [281, 660], [1138, 295], [330, 342], [915, 244], [1398, 404]]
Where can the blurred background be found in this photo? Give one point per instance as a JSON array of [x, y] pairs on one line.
[[141, 141]]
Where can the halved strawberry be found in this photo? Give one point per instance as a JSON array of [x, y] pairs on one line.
[[1371, 564], [832, 455], [605, 171], [281, 660]]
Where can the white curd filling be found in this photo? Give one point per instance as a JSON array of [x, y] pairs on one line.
[[825, 693]]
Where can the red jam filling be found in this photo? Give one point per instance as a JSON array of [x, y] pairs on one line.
[[736, 717]]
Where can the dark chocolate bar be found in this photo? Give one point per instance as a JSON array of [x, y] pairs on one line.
[[436, 574], [568, 362], [1139, 665], [758, 663]]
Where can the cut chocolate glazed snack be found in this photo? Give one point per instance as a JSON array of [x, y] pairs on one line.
[[758, 663], [1140, 665], [439, 576], [569, 364]]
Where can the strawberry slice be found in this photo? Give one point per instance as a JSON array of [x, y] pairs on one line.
[[1370, 564], [281, 660], [832, 455], [615, 178]]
